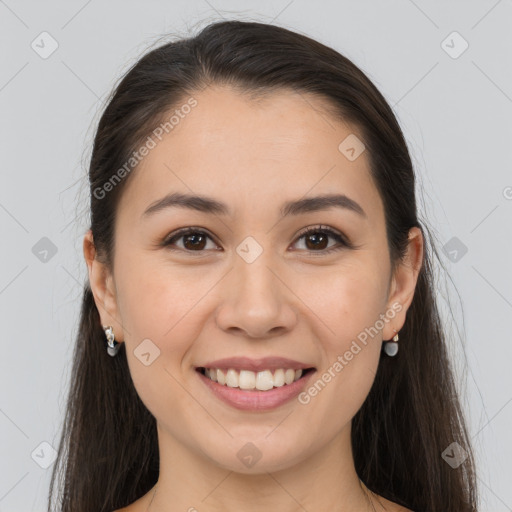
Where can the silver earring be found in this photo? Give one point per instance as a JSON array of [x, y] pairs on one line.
[[113, 347], [391, 347]]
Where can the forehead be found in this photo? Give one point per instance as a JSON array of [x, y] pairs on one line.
[[249, 152]]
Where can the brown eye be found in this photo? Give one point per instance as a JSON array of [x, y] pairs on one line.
[[317, 239], [193, 240]]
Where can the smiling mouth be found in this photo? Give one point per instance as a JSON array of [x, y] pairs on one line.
[[254, 381]]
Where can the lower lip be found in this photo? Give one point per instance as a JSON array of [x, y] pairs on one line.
[[254, 400]]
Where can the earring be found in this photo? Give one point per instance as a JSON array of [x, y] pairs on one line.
[[113, 346], [391, 347]]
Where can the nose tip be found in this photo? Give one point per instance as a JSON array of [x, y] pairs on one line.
[[256, 302]]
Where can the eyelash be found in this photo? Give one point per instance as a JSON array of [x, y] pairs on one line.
[[315, 229]]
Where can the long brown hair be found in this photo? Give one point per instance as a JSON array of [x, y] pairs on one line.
[[108, 454]]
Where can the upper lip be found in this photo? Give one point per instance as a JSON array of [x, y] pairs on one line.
[[255, 365]]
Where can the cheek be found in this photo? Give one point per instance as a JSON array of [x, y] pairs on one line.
[[348, 299], [157, 312], [350, 306], [152, 293], [161, 302], [351, 302]]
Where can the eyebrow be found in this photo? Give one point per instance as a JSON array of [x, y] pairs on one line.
[[212, 206]]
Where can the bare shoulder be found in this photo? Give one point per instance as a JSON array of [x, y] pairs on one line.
[[129, 508], [395, 507], [140, 505], [134, 507], [399, 508], [390, 506]]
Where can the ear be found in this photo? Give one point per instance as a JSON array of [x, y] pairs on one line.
[[103, 288], [403, 283]]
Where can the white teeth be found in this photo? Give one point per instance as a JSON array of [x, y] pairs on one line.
[[245, 379], [289, 375], [232, 378], [279, 378], [264, 380]]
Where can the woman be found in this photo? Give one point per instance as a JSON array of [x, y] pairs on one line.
[[260, 327]]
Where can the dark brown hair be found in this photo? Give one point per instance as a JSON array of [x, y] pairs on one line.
[[108, 454]]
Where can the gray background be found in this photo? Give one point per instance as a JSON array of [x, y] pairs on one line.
[[455, 113]]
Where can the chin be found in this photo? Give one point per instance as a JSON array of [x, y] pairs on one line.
[[257, 456]]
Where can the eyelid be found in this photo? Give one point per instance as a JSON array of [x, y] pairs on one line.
[[166, 242], [186, 231], [342, 239], [343, 242], [323, 229]]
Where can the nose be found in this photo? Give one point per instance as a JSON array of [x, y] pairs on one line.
[[257, 301]]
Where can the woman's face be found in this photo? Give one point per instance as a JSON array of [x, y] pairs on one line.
[[248, 284]]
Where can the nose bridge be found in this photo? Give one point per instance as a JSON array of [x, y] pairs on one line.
[[255, 282], [256, 301]]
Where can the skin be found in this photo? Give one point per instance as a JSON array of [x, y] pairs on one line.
[[292, 301]]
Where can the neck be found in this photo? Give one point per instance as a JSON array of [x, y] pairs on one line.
[[326, 480]]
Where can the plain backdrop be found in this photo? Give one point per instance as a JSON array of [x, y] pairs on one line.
[[444, 66]]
